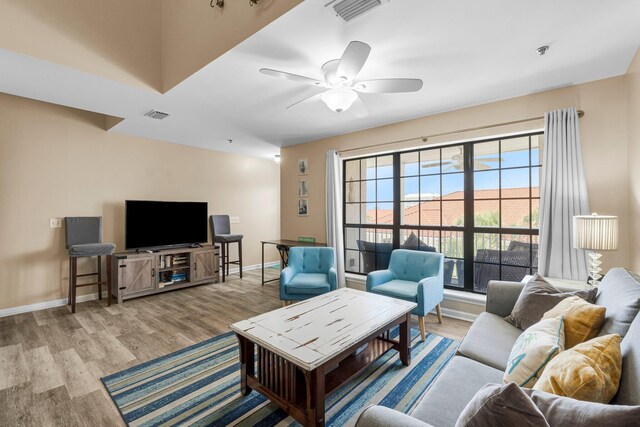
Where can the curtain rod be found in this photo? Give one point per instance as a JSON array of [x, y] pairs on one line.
[[426, 138]]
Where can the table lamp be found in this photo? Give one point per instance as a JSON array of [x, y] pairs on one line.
[[595, 233]]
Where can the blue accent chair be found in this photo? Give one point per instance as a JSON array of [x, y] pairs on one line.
[[310, 272], [412, 276]]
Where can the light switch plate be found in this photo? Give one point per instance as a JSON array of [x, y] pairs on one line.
[[234, 219], [55, 222]]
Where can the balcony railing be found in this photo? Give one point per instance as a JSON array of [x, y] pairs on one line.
[[496, 256]]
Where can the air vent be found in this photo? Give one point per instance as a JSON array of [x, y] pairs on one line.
[[158, 115], [348, 10]]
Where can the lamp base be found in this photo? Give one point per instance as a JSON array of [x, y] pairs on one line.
[[594, 268]]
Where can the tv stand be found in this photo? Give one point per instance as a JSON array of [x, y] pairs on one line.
[[140, 273]]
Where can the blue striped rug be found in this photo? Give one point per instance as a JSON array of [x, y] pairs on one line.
[[200, 386]]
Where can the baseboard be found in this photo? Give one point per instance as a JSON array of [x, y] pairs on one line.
[[90, 297], [446, 312], [457, 314], [253, 267], [47, 304]]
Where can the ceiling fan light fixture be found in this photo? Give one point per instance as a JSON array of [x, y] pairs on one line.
[[339, 99]]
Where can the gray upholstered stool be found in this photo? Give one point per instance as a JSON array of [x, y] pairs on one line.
[[84, 239], [221, 233]]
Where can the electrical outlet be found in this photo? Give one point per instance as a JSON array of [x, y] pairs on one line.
[[234, 219], [55, 222]]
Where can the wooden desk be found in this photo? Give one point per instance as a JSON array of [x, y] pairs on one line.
[[286, 244]]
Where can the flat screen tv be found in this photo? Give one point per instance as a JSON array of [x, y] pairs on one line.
[[154, 224]]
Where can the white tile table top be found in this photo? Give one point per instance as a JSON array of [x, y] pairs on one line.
[[313, 331]]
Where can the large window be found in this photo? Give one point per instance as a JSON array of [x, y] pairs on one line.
[[475, 202]]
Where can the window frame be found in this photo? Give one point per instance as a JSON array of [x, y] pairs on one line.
[[469, 229]]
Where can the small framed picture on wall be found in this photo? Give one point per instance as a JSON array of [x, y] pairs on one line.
[[303, 207], [303, 188], [303, 166]]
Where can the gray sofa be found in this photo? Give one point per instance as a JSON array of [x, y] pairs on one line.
[[483, 353]]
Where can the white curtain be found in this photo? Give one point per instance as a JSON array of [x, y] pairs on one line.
[[334, 212], [563, 195]]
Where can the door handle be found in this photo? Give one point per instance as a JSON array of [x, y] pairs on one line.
[[153, 272]]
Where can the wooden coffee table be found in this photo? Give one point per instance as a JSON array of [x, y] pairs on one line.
[[298, 354]]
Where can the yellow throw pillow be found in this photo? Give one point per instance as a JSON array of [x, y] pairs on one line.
[[589, 371], [582, 320]]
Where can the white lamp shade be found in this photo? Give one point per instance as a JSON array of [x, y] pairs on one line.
[[339, 99], [595, 232]]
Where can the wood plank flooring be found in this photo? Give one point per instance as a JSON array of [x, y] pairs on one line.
[[51, 361]]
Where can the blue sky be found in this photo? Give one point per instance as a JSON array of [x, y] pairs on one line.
[[454, 182]]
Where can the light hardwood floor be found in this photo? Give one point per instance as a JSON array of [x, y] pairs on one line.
[[51, 361]]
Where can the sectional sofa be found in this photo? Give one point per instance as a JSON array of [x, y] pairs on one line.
[[483, 353]]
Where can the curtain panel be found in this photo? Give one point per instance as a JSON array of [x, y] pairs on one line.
[[333, 194], [563, 195]]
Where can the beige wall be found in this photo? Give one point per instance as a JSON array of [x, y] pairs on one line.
[[116, 39], [194, 34], [604, 139], [57, 161], [633, 122]]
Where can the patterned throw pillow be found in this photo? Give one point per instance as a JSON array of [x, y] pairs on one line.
[[533, 350], [589, 371], [582, 320]]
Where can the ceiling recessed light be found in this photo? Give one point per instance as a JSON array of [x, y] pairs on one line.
[[542, 50]]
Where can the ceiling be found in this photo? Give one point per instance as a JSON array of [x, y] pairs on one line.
[[466, 52]]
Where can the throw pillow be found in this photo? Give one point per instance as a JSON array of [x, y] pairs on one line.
[[538, 297], [414, 243], [582, 320], [564, 411], [619, 293], [501, 405], [589, 371], [533, 349]]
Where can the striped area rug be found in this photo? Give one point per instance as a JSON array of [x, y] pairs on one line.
[[200, 386]]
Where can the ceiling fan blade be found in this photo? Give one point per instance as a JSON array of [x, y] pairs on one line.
[[430, 165], [488, 159], [307, 100], [480, 166], [359, 109], [353, 59], [453, 166], [389, 86], [292, 77]]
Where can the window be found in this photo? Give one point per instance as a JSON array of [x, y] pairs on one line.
[[369, 213], [475, 202]]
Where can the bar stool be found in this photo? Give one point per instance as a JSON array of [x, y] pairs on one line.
[[84, 239], [221, 233]]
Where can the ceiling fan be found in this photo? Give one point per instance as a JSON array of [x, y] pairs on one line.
[[339, 80], [457, 162]]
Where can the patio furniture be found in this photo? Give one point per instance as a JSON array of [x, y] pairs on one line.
[[516, 263]]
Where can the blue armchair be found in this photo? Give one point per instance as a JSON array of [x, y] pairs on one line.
[[412, 276], [310, 272]]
